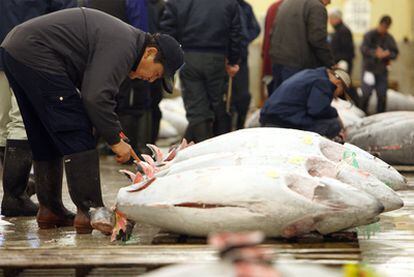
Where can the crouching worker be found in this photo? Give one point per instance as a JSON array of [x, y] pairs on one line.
[[65, 69], [304, 102]]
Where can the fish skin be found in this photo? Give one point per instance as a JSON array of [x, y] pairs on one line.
[[256, 200], [307, 165], [277, 141]]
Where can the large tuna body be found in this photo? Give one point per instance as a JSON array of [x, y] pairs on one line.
[[280, 181], [390, 136], [396, 101], [237, 198]]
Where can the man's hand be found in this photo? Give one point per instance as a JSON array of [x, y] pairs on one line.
[[232, 69], [122, 151], [381, 54]]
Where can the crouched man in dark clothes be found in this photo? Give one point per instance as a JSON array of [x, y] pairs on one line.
[[65, 69], [304, 102]]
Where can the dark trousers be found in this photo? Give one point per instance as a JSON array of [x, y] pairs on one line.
[[381, 87], [52, 110], [203, 79], [329, 128], [241, 94], [281, 73]]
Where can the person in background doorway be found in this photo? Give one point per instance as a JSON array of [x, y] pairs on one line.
[[378, 50], [15, 152], [241, 95], [299, 42]]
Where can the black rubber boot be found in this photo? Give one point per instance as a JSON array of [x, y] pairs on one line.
[[199, 132], [82, 174], [48, 179], [17, 163]]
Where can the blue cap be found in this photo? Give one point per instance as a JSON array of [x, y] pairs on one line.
[[173, 59]]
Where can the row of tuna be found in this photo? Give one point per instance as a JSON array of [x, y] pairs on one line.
[[282, 182]]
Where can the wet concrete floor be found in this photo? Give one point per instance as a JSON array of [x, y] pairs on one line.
[[387, 246]]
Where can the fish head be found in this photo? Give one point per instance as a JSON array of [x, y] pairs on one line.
[[347, 206]]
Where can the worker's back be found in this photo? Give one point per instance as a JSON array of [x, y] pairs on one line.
[[299, 37], [201, 24]]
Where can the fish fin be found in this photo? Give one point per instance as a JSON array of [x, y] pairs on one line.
[[131, 176], [138, 178], [171, 155], [120, 225], [143, 185], [149, 159], [158, 156], [148, 169]]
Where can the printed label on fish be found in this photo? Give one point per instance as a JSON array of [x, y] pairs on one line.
[[350, 158]]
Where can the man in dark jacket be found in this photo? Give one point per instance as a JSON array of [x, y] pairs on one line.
[[77, 59], [343, 49], [138, 100], [241, 95], [378, 49], [304, 102], [209, 32], [15, 154], [299, 38]]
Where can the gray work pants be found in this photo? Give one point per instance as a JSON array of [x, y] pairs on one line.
[[11, 122], [203, 79]]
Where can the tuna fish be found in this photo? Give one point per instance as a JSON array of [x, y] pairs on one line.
[[278, 142], [241, 198], [389, 136], [396, 101], [306, 165]]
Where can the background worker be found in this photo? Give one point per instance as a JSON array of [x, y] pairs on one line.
[[250, 30], [212, 47], [342, 47], [299, 42], [378, 50], [304, 102], [15, 153], [78, 58]]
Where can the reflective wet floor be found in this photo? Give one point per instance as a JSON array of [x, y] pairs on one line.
[[387, 246]]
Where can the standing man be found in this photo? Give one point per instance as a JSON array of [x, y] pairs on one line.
[[304, 102], [250, 30], [378, 49], [15, 154], [299, 38], [78, 58], [209, 32], [267, 64], [342, 46]]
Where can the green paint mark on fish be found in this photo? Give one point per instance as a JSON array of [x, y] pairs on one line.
[[350, 157]]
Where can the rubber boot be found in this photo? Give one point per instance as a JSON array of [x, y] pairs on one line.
[[82, 174], [199, 132], [48, 179], [16, 169]]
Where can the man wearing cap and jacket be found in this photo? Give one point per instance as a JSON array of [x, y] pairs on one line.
[[304, 102], [65, 69], [210, 34]]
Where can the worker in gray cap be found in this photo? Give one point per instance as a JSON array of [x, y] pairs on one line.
[[304, 102], [65, 69]]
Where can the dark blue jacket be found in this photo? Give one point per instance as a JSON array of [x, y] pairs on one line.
[[14, 12], [250, 28], [301, 100]]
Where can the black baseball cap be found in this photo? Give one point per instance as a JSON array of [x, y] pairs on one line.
[[173, 59]]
